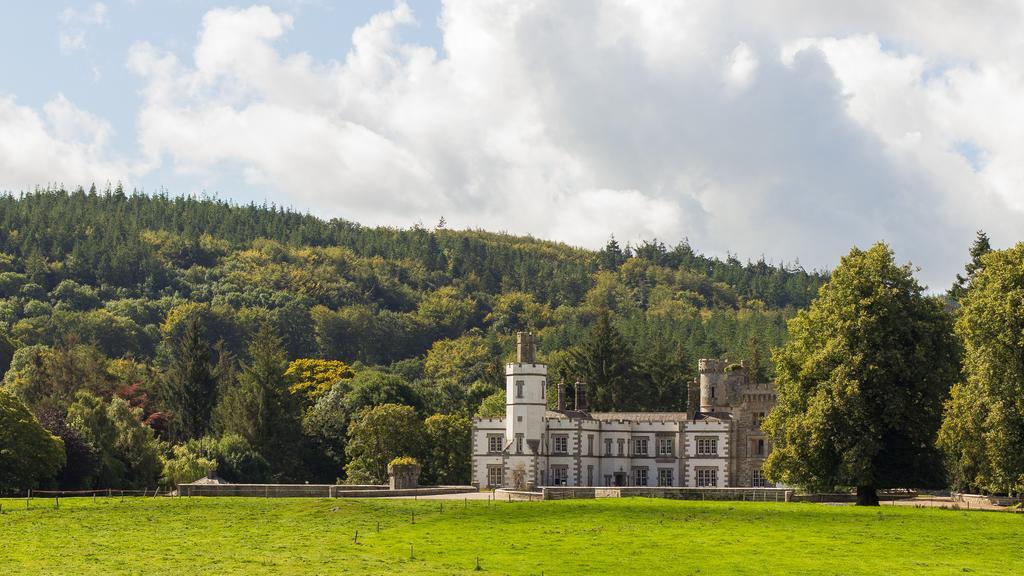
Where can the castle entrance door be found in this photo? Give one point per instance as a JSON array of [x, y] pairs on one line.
[[620, 478]]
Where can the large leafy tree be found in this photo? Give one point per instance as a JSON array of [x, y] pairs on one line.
[[128, 451], [188, 389], [311, 378], [325, 422], [983, 428], [28, 453], [448, 452], [861, 382], [47, 378], [378, 435]]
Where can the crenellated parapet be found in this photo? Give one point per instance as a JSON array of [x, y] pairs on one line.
[[710, 366]]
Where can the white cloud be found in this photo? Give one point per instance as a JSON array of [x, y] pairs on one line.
[[76, 24], [63, 146], [741, 67], [790, 129], [790, 132]]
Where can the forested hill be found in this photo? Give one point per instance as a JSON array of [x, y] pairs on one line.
[[111, 266], [117, 293]]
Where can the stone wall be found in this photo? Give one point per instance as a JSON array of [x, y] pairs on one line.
[[313, 490], [672, 493]]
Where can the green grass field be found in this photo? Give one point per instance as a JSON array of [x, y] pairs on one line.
[[622, 536]]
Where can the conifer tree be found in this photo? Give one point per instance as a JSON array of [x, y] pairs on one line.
[[979, 248], [605, 362], [261, 409], [189, 387]]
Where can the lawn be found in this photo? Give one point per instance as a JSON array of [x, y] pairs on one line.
[[620, 536]]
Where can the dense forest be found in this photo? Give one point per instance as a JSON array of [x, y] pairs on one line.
[[161, 336]]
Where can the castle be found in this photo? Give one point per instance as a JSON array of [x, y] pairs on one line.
[[717, 442]]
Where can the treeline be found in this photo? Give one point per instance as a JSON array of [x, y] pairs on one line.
[[879, 385], [160, 337]]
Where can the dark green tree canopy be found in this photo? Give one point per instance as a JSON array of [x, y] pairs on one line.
[[28, 453], [861, 382], [377, 436], [979, 248], [188, 388], [604, 362], [983, 429]]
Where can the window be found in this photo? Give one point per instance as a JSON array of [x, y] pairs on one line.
[[759, 447], [622, 445], [707, 446], [561, 444], [758, 480], [640, 446], [519, 443], [664, 476], [559, 475], [519, 388], [640, 476], [607, 446], [707, 477], [665, 447], [758, 417], [494, 476], [495, 442], [590, 444], [590, 475], [543, 389]]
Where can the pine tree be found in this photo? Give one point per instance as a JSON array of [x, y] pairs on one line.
[[605, 363], [189, 387], [261, 409], [979, 248], [611, 256]]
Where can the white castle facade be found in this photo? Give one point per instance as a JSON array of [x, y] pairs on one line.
[[717, 442]]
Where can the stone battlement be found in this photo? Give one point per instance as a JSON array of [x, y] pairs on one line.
[[710, 365]]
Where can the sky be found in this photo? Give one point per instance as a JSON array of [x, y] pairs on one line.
[[790, 130]]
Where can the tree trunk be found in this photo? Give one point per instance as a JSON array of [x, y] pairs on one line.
[[867, 496]]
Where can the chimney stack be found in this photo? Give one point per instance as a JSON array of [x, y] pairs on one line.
[[693, 399], [581, 396], [526, 348], [561, 396]]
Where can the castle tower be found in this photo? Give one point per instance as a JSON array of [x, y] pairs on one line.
[[712, 385], [525, 404]]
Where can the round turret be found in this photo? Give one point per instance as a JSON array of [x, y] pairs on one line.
[[712, 380]]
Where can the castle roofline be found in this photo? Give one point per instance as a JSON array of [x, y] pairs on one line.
[[616, 416]]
